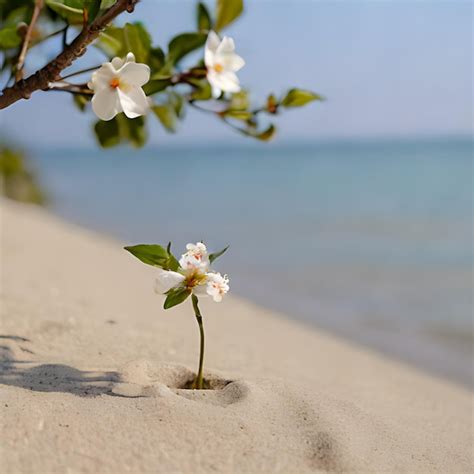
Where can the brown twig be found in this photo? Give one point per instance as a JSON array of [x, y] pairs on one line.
[[72, 88], [82, 71], [24, 48], [51, 72]]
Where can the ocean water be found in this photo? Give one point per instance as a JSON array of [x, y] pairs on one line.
[[370, 240]]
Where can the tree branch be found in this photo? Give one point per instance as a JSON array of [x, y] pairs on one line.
[[26, 40], [51, 72]]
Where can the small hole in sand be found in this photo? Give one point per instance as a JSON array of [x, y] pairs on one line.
[[211, 383]]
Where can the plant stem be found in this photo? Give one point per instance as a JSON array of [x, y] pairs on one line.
[[81, 89], [82, 71], [198, 382], [26, 40]]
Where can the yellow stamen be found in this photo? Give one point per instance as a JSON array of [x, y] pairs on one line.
[[114, 83], [218, 67]]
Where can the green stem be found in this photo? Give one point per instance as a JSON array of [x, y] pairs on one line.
[[198, 382]]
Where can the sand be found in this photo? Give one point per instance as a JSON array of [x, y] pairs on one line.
[[90, 370]]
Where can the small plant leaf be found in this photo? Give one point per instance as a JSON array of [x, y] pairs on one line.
[[272, 104], [166, 115], [81, 101], [107, 133], [151, 254], [215, 255], [156, 85], [134, 130], [204, 22], [172, 263], [93, 8], [70, 10], [176, 296], [267, 134], [299, 97], [227, 12], [183, 44], [238, 114]]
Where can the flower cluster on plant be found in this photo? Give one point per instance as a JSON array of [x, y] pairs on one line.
[[190, 275], [140, 80]]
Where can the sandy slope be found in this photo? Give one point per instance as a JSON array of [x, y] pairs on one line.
[[89, 366]]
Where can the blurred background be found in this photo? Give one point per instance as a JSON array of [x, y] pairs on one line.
[[357, 218]]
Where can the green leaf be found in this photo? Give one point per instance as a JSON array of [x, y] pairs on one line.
[[135, 130], [81, 101], [215, 255], [121, 129], [299, 97], [92, 7], [137, 40], [272, 104], [227, 12], [70, 10], [239, 101], [9, 37], [156, 61], [183, 44], [155, 86], [151, 254], [110, 41], [107, 133], [202, 89], [176, 296], [133, 37], [266, 135], [177, 102], [172, 263], [107, 4], [204, 22], [167, 116], [238, 114]]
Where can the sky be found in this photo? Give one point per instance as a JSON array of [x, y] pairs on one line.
[[387, 69]]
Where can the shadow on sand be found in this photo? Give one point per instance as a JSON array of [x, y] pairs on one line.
[[50, 377]]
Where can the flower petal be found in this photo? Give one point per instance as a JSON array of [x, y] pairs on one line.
[[226, 81], [231, 62], [135, 74], [212, 43], [130, 58], [226, 46], [101, 78], [216, 92], [117, 63], [106, 104], [167, 280], [200, 290], [217, 286], [133, 101]]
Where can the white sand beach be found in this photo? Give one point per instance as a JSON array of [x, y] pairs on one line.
[[91, 365]]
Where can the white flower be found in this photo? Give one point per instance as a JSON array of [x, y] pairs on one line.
[[217, 286], [117, 87], [196, 257], [167, 280], [222, 63], [193, 274]]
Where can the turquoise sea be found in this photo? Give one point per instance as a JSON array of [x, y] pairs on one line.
[[369, 240]]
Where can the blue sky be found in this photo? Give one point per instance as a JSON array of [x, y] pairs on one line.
[[387, 68]]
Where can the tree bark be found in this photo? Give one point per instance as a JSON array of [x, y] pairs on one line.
[[51, 72]]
